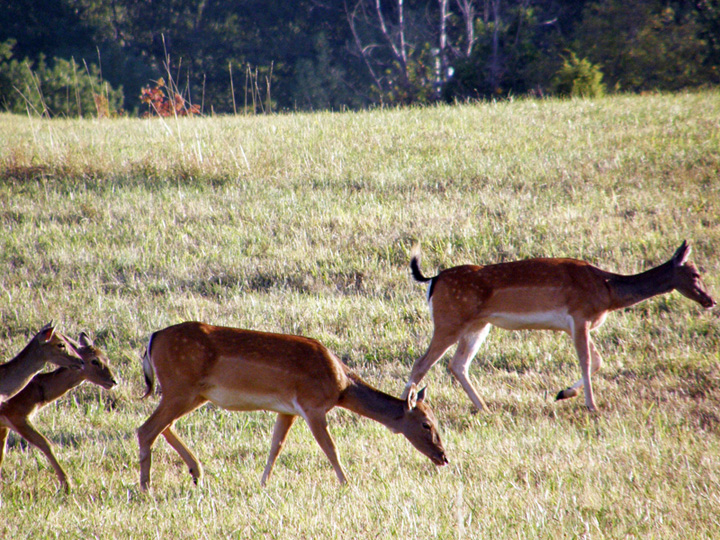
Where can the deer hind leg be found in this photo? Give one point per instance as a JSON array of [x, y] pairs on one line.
[[282, 426], [164, 416], [31, 435], [590, 362], [460, 364], [185, 453], [318, 426]]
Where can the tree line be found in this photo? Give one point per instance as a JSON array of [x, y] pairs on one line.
[[79, 57]]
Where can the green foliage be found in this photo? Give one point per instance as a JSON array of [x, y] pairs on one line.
[[13, 75], [63, 89], [513, 56], [578, 78], [319, 79], [411, 83], [644, 45], [709, 22], [333, 55]]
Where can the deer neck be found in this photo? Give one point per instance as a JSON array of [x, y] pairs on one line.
[[370, 402], [16, 373], [629, 290], [57, 383]]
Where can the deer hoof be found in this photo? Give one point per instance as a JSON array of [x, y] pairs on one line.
[[566, 394]]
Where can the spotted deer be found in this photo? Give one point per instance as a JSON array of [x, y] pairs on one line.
[[43, 389], [47, 346], [538, 294], [246, 370]]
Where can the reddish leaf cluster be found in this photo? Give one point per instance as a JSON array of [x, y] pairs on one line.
[[160, 104]]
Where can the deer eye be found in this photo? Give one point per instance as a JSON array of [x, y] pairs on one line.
[[96, 363], [426, 426]]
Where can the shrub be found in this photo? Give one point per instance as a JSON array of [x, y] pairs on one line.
[[59, 88], [578, 78], [164, 100]]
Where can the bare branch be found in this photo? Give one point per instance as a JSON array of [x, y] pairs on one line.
[[364, 50], [467, 9]]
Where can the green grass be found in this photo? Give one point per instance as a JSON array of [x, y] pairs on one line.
[[303, 224]]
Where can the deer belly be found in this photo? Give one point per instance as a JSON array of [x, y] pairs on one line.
[[237, 400], [539, 320]]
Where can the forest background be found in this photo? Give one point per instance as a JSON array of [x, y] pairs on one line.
[[94, 57]]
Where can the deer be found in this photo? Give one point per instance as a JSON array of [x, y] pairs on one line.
[[558, 294], [247, 370], [44, 388], [47, 346]]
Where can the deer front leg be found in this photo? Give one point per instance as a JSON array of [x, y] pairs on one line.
[[583, 347], [574, 390], [31, 435], [318, 427]]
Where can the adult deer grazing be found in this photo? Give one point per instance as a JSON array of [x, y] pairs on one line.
[[538, 294], [45, 388], [245, 370], [46, 346]]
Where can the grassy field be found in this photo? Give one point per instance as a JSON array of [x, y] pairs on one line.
[[303, 224]]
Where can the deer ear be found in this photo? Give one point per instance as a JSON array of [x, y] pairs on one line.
[[85, 341], [412, 398], [682, 254], [421, 394], [46, 333]]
